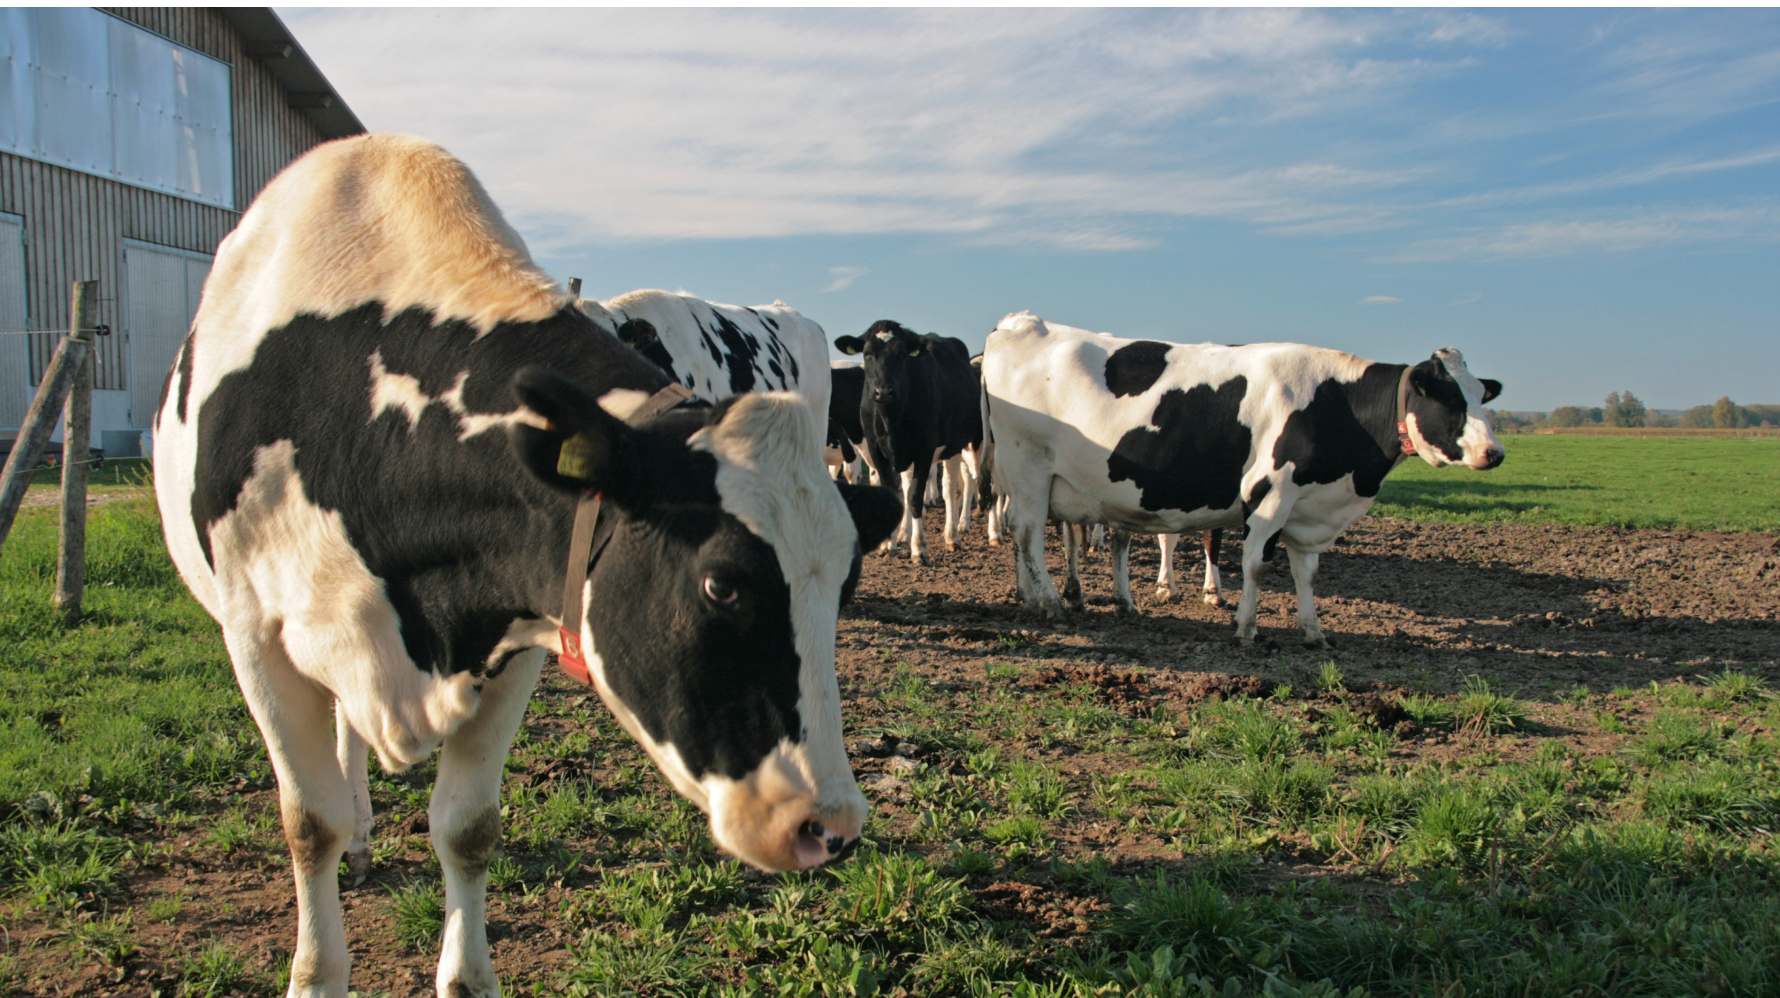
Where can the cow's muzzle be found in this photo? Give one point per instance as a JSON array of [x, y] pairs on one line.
[[773, 820], [1491, 458], [883, 395]]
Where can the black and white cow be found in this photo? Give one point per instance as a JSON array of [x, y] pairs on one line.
[[919, 405], [846, 437], [1289, 441], [720, 350], [364, 473]]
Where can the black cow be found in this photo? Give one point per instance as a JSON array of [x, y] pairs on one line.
[[919, 405], [370, 455]]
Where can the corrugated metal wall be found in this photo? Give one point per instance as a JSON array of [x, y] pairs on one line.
[[76, 224], [15, 369]]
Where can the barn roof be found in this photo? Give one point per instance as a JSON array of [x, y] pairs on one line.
[[272, 44]]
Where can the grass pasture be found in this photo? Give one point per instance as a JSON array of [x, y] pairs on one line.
[[1055, 812], [1666, 483]]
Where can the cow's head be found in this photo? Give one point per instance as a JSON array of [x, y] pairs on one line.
[[887, 348], [1445, 413], [719, 566]]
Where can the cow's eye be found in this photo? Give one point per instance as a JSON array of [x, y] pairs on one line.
[[719, 592]]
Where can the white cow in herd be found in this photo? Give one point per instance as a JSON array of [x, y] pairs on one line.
[[1290, 442]]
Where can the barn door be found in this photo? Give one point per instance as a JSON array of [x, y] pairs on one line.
[[162, 286], [15, 349]]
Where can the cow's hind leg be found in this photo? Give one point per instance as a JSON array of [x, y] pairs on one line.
[[314, 800], [1264, 524], [1304, 564], [1073, 540], [465, 819], [1165, 577], [1213, 590], [1119, 547], [1028, 490], [352, 754]]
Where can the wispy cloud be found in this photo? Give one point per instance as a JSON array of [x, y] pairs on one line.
[[1563, 237], [1096, 130], [1379, 300], [1470, 299], [844, 277]]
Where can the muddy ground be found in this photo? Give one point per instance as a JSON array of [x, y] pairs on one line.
[[1406, 604]]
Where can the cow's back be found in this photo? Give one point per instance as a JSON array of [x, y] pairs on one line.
[[723, 350]]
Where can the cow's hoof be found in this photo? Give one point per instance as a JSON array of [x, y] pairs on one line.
[[1318, 644], [923, 559], [1211, 599], [358, 866], [1125, 611], [1164, 594]]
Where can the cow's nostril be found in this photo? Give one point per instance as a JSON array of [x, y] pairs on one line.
[[813, 829], [846, 850], [835, 842]]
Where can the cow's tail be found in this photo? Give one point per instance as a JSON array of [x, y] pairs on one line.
[[986, 460]]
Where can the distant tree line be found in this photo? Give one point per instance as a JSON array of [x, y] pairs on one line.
[[1626, 409]]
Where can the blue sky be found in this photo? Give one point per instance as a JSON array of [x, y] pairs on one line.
[[1582, 201]]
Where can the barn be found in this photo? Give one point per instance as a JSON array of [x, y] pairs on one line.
[[131, 139]]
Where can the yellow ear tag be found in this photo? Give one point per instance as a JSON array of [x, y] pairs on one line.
[[575, 460]]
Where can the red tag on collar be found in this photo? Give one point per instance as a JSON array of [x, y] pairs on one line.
[[1403, 438], [571, 659]]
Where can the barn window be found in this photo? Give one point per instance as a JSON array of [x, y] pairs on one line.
[[87, 91]]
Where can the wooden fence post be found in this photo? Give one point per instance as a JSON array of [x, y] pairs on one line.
[[40, 422], [77, 430]]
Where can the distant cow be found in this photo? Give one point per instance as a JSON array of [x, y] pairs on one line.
[[1289, 441], [1213, 590], [919, 405], [846, 437], [371, 452], [720, 350]]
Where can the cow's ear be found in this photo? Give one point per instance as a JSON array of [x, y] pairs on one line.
[[1421, 379], [581, 447], [1491, 388], [917, 348], [876, 511], [852, 346], [637, 333]]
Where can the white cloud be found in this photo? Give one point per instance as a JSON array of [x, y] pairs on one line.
[[1470, 299], [1049, 127], [1379, 300], [844, 276]]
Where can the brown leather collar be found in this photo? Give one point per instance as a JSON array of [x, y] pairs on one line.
[[1403, 440], [581, 554]]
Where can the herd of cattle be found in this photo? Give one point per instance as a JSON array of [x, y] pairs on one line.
[[400, 468]]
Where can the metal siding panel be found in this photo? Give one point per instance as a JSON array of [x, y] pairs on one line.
[[73, 83], [15, 357], [18, 102]]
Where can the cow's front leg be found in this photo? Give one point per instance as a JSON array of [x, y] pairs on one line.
[[913, 508], [465, 819], [1028, 491], [905, 481], [1304, 565], [1165, 577], [1120, 550], [352, 753], [952, 486], [313, 799]]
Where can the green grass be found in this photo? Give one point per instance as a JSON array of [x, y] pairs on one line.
[[122, 473], [1703, 484], [1284, 847], [136, 708]]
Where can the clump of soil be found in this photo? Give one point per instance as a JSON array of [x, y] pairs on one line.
[[1225, 688], [1052, 912]]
